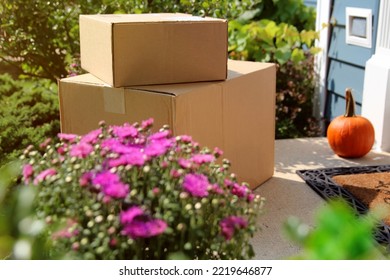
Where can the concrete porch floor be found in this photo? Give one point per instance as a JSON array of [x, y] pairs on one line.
[[288, 195]]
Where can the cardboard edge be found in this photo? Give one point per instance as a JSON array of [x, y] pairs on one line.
[[85, 21], [113, 79], [61, 103]]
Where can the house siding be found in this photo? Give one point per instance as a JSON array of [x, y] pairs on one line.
[[346, 63]]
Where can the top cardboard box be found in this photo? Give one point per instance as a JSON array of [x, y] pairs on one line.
[[144, 49]]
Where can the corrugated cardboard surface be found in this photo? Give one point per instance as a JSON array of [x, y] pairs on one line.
[[144, 49], [236, 115]]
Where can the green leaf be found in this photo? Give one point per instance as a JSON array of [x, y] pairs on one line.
[[308, 37], [282, 55], [297, 55]]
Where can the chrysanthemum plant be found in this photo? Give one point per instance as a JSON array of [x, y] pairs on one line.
[[126, 192]]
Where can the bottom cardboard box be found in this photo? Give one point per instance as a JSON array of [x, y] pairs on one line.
[[236, 115]]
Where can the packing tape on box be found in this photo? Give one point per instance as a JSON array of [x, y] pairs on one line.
[[114, 100]]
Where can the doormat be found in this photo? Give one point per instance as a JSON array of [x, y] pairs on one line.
[[322, 182]]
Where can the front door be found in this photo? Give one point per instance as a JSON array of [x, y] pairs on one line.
[[346, 60]]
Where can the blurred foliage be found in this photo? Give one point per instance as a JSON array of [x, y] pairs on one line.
[[339, 234], [29, 113], [292, 12], [21, 233]]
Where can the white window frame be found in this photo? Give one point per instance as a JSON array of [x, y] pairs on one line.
[[351, 13]]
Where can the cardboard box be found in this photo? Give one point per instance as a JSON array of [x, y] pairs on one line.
[[236, 115], [143, 49]]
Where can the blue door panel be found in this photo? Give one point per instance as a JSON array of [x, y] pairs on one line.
[[340, 50], [342, 76], [310, 3], [336, 106], [346, 64]]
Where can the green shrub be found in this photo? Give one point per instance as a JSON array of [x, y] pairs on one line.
[[29, 113], [294, 106], [292, 12]]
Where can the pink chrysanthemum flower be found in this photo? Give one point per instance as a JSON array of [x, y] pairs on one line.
[[86, 179], [115, 146], [140, 228], [184, 163], [240, 191], [67, 231], [147, 123], [44, 174], [136, 158], [81, 150], [218, 152], [137, 224], [217, 189], [202, 158], [196, 184], [125, 131], [111, 185], [126, 217], [186, 138], [158, 147], [67, 137], [91, 137], [27, 172], [230, 224], [160, 135]]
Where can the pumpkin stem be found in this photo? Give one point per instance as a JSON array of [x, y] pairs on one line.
[[350, 106]]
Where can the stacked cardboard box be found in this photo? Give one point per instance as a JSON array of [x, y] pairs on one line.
[[143, 49], [219, 102]]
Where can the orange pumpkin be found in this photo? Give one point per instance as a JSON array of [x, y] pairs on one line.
[[350, 136]]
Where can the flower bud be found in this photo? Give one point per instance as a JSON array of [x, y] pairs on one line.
[[111, 230], [49, 219], [99, 219], [76, 246], [102, 124], [100, 250], [113, 242], [187, 246], [146, 169], [88, 213], [188, 207], [110, 218], [180, 226], [183, 195], [84, 241]]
